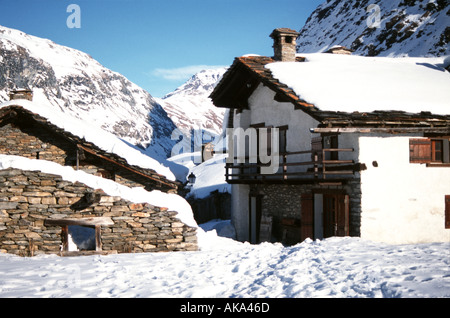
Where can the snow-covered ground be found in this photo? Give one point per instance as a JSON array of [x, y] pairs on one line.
[[334, 267]]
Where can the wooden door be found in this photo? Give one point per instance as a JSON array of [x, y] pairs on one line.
[[342, 215], [335, 215]]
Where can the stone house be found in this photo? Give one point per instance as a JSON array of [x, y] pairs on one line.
[[39, 208], [325, 145]]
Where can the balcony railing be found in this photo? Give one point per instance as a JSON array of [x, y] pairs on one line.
[[295, 166]]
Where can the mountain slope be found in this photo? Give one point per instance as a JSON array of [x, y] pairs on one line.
[[190, 107], [379, 27], [74, 83]]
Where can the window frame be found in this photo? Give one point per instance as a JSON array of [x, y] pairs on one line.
[[435, 151]]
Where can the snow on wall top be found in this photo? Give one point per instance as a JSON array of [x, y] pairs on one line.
[[101, 138], [138, 195], [349, 83]]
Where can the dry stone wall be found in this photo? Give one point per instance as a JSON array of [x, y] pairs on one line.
[[28, 199], [33, 143]]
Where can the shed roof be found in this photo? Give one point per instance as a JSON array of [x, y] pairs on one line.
[[97, 142]]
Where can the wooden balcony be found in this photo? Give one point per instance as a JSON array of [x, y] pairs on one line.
[[294, 168]]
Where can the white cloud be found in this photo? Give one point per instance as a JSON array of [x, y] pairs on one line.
[[181, 73]]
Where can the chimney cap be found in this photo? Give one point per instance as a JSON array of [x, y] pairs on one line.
[[284, 44], [285, 31]]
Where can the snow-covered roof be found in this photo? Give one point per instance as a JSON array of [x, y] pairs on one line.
[[348, 83], [102, 139]]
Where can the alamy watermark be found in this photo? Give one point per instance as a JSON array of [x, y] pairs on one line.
[[374, 19], [74, 19], [252, 145]]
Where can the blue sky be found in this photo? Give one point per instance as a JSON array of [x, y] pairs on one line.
[[159, 44]]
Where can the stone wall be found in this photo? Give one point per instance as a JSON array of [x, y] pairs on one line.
[[283, 203], [34, 143], [28, 199], [215, 206]]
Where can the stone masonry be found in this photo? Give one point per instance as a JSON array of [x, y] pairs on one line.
[[283, 202], [29, 199]]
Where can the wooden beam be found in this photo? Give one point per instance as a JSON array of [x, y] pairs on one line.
[[391, 130], [91, 221]]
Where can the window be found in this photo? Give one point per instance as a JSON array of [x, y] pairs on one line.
[[436, 150], [106, 174], [426, 150], [316, 148], [331, 142], [282, 141]]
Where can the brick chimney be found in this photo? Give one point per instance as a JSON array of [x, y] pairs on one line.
[[284, 44], [21, 93]]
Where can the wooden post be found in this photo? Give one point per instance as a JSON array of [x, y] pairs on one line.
[[316, 166], [78, 158], [98, 238], [65, 238], [323, 165]]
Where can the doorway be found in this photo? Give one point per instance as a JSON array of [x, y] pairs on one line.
[[254, 218], [81, 238], [335, 215]]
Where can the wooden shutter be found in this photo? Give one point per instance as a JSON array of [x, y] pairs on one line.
[[307, 217], [446, 151], [447, 211], [420, 150]]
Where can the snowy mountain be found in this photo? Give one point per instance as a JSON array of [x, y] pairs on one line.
[[190, 107], [75, 83], [379, 27]]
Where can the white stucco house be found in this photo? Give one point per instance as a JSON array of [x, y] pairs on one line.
[[359, 146]]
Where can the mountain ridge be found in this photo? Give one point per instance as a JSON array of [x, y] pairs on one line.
[[379, 28]]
